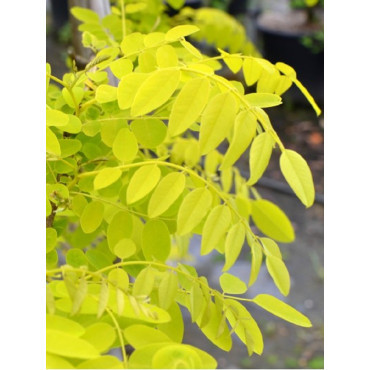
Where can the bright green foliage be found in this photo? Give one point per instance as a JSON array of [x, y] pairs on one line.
[[135, 171]]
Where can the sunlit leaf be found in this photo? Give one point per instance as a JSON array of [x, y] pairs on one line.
[[282, 310], [298, 175], [193, 209], [143, 182], [165, 194], [231, 284], [272, 221], [106, 177]]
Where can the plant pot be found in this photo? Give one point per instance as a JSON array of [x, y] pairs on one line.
[[286, 46]]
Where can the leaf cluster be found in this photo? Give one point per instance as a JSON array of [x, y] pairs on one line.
[[133, 172]]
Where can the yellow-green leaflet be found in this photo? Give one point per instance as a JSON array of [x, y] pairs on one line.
[[271, 248], [120, 227], [180, 31], [176, 4], [155, 91], [166, 57], [69, 147], [170, 356], [142, 182], [233, 245], [105, 93], [167, 290], [210, 329], [139, 335], [247, 330], [153, 39], [231, 284], [106, 177], [257, 255], [132, 43], [215, 227], [196, 301], [125, 145], [74, 125], [149, 132], [262, 100], [103, 299], [244, 131], [128, 87], [64, 344], [144, 282], [102, 362], [286, 69], [298, 175], [101, 335], [74, 99], [51, 239], [188, 105], [193, 209], [52, 143], [56, 362], [190, 48], [85, 15], [279, 273], [91, 217], [56, 118], [135, 7], [165, 194], [79, 296], [272, 221], [252, 70], [118, 278], [282, 310], [259, 156], [234, 62], [65, 325], [156, 241], [217, 121], [291, 74], [125, 248], [121, 67]]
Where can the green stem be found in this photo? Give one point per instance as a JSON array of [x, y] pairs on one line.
[[123, 14], [56, 79], [118, 205], [119, 332]]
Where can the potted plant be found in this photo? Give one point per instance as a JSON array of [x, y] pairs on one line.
[[133, 173]]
